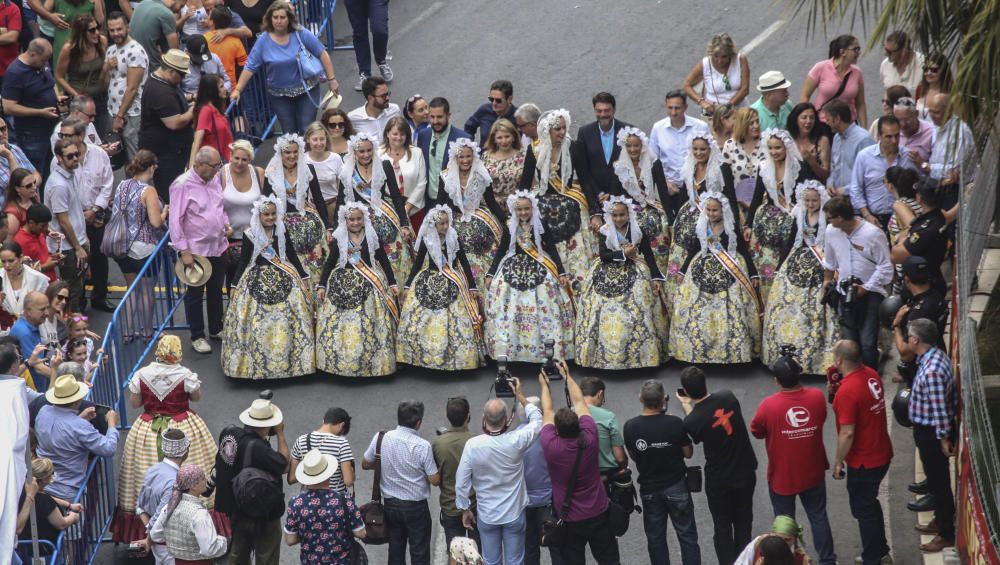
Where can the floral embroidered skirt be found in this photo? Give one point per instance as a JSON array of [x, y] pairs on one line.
[[714, 318], [621, 322], [355, 332], [396, 249], [525, 306], [655, 227], [795, 314], [269, 327], [684, 238], [435, 330], [772, 232], [480, 245], [308, 237], [562, 220]]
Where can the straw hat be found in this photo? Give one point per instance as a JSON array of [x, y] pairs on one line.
[[261, 414], [66, 390], [177, 60], [195, 274], [316, 467], [331, 100]]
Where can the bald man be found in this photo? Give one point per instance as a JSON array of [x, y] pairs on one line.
[[493, 466], [953, 154], [29, 96], [27, 330]]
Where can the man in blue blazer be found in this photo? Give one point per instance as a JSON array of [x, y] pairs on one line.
[[596, 150], [433, 141]]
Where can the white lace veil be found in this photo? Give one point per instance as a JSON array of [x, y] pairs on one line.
[[793, 160], [346, 174], [626, 172], [479, 179], [802, 216], [543, 151], [536, 220], [713, 177], [611, 232], [342, 237], [727, 220], [275, 173], [430, 238], [257, 234]]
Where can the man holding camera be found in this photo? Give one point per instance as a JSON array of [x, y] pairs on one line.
[[858, 253], [493, 465]]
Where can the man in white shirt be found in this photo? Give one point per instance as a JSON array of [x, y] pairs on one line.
[[372, 117], [668, 140], [902, 65], [127, 63], [83, 108], [492, 465], [953, 152], [858, 252]]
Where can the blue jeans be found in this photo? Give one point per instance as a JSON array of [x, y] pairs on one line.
[[503, 543], [859, 323], [374, 14], [37, 148], [295, 113], [673, 502], [814, 503], [862, 490]]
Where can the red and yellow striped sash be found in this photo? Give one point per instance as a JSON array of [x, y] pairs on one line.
[[487, 218], [734, 269], [471, 306], [373, 279], [288, 269], [817, 252], [572, 191], [550, 265]]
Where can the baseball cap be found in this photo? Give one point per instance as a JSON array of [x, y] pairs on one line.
[[197, 47], [914, 265]]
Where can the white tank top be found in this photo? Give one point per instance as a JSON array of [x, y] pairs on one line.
[[715, 88], [239, 205]]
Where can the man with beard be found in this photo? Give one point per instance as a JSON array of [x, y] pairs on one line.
[[376, 112]]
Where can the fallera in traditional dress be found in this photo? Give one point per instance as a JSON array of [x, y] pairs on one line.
[[479, 232], [306, 228], [773, 228]]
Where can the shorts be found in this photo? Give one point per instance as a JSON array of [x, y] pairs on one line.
[[132, 266]]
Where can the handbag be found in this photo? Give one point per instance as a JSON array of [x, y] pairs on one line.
[[116, 237], [693, 478], [373, 512], [310, 68], [554, 527]]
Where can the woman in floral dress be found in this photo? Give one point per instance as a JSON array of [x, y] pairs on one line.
[[527, 298], [548, 168], [769, 218], [467, 188], [504, 158], [622, 322], [744, 152], [371, 181], [269, 323], [795, 313], [716, 316], [356, 295], [440, 324], [296, 184]]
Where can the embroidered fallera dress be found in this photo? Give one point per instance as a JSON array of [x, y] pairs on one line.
[[306, 228], [479, 232], [506, 174]]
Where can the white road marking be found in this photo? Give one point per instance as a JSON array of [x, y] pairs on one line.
[[438, 549], [410, 25], [762, 36]]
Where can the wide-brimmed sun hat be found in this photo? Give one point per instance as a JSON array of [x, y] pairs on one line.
[[262, 414], [316, 467]]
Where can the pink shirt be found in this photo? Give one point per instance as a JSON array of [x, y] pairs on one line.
[[825, 75], [198, 219], [921, 141]]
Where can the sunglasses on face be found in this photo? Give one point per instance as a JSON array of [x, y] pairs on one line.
[[30, 186], [62, 296], [66, 135], [495, 100], [931, 69], [76, 319], [335, 125], [92, 29], [71, 156]]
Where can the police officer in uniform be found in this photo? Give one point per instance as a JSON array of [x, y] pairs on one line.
[[924, 300], [927, 236]]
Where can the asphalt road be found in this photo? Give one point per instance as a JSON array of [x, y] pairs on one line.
[[558, 53]]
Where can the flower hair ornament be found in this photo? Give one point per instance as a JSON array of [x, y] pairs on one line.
[[467, 200], [543, 152], [713, 168], [258, 235], [343, 238], [802, 215], [793, 160], [348, 179], [727, 218], [536, 220], [626, 172], [609, 229], [430, 238], [275, 172]]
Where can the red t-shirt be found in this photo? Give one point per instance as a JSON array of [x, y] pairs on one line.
[[860, 401], [791, 424], [10, 18], [34, 246], [218, 136]]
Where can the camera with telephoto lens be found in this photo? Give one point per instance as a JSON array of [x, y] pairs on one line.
[[849, 290], [787, 350], [503, 386], [549, 366]]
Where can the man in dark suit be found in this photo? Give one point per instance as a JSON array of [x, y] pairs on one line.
[[500, 104], [433, 141], [595, 151]]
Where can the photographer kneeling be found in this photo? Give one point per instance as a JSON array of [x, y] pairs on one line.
[[858, 253]]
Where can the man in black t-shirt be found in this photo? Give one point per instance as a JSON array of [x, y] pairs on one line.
[[165, 120], [730, 464], [658, 445]]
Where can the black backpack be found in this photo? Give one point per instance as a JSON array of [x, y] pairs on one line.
[[257, 494]]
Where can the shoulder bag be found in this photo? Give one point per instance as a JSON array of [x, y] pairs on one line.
[[554, 527], [373, 513], [310, 68], [116, 237]]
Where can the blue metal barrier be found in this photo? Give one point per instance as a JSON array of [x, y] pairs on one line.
[[24, 550]]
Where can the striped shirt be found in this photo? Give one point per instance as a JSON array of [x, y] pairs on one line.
[[328, 444], [933, 401], [407, 461]]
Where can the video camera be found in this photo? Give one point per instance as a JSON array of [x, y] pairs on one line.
[[503, 384]]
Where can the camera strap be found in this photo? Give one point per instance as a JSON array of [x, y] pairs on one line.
[[501, 431]]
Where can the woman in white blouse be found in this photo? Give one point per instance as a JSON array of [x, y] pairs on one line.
[[326, 162], [18, 280], [241, 184], [724, 74], [408, 162]]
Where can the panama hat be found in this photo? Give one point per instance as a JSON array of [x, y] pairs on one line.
[[316, 467], [772, 80], [261, 414], [331, 100], [177, 60], [195, 274], [66, 390]]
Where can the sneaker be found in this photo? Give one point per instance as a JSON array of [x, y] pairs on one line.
[[201, 345], [215, 337], [361, 79], [386, 72], [886, 560]]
